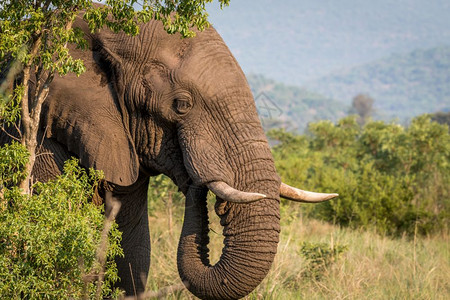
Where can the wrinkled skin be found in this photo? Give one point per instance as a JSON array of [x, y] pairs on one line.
[[155, 104]]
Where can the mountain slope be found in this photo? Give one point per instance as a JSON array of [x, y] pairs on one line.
[[402, 85], [291, 107]]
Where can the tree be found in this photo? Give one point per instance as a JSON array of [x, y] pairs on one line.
[[34, 35], [362, 106], [441, 117]]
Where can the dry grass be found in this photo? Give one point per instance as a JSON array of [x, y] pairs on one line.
[[372, 267]]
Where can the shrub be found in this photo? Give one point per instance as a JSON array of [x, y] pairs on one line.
[[389, 177], [48, 241], [13, 159], [319, 257]]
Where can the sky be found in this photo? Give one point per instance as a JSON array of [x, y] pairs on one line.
[[296, 41]]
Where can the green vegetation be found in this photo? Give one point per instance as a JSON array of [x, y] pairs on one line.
[[392, 179], [49, 242], [319, 257]]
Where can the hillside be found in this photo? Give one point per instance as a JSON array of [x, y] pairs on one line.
[[291, 107], [402, 85], [295, 41]]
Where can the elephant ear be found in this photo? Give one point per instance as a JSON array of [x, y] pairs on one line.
[[82, 113]]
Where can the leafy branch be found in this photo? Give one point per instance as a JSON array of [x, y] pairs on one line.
[[34, 36]]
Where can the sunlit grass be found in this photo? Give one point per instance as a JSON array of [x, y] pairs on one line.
[[371, 267]]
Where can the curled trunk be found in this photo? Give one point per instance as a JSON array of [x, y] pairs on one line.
[[251, 236]]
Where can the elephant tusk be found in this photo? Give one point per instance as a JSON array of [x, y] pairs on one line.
[[299, 195], [227, 193]]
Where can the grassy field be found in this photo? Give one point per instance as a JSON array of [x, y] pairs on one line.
[[369, 266]]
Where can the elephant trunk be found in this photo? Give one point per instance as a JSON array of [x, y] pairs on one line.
[[251, 234]]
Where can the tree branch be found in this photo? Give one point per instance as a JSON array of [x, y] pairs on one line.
[[46, 5], [26, 120], [8, 134], [113, 206], [112, 209]]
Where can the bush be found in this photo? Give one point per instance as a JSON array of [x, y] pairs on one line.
[[13, 159], [48, 241], [390, 178], [319, 258]]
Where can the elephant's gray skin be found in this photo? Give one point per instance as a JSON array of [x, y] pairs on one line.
[[156, 103]]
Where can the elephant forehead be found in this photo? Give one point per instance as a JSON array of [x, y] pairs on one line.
[[172, 50], [172, 53], [157, 73]]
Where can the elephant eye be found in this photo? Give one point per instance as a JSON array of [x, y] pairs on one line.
[[182, 106]]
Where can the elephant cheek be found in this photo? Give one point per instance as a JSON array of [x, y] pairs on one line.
[[204, 163]]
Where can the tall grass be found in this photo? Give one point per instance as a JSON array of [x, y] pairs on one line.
[[371, 267]]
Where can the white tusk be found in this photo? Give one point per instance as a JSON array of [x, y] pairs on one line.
[[227, 193], [299, 195]]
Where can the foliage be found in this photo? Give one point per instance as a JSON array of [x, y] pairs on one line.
[[319, 257], [389, 177], [13, 159], [23, 23], [48, 241]]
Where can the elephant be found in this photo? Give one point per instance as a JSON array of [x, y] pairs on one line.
[[158, 104]]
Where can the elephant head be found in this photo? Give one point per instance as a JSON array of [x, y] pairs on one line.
[[156, 103]]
